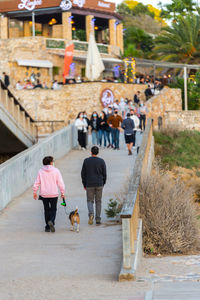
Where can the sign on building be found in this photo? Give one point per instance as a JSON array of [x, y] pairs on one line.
[[107, 97], [64, 4], [29, 4]]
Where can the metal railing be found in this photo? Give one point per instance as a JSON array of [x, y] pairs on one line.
[[130, 211], [78, 45], [52, 123], [16, 110], [83, 46]]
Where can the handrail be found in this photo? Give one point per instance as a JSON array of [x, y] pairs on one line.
[[129, 204], [52, 122], [85, 42], [130, 210], [20, 115], [10, 94]]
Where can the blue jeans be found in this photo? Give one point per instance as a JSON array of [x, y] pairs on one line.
[[112, 135], [116, 137], [95, 137], [104, 134], [108, 136]]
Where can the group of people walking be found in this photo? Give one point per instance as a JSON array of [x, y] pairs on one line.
[[105, 127]]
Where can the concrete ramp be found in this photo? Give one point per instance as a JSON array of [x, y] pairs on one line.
[[17, 129], [45, 266]]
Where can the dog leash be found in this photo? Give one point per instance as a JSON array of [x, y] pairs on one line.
[[64, 206]]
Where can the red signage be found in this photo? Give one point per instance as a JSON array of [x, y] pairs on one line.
[[69, 52]]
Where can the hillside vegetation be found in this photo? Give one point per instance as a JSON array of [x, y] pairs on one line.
[[178, 148]]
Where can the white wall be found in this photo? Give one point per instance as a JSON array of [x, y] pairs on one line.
[[18, 173]]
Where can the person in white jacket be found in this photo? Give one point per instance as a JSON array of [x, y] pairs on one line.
[[122, 108], [136, 120], [81, 125]]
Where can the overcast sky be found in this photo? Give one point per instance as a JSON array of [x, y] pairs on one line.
[[153, 2]]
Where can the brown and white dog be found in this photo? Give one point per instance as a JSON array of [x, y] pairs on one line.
[[75, 220]]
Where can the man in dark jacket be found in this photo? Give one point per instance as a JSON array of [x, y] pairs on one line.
[[6, 79], [148, 93], [93, 176], [128, 126], [136, 98]]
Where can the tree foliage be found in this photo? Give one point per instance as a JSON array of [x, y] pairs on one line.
[[139, 38], [139, 20], [177, 8], [193, 91], [131, 51], [181, 41], [135, 8]]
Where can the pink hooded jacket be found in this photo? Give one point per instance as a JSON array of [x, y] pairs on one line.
[[48, 180]]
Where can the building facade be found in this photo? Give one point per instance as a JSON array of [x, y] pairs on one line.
[[35, 33]]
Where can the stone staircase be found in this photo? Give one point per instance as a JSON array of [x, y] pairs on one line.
[[16, 125]]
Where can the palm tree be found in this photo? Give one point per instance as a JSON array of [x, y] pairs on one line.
[[181, 41]]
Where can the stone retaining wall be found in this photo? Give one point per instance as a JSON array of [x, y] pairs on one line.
[[65, 103], [167, 100], [183, 120]]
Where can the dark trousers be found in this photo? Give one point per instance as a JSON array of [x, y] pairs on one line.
[[94, 194], [134, 137], [142, 122], [82, 138], [50, 208]]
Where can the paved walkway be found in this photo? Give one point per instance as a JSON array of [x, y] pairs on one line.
[[172, 277], [175, 291], [65, 265]]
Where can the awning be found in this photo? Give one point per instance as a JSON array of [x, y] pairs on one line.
[[35, 63]]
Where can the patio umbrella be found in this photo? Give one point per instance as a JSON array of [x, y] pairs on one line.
[[94, 64]]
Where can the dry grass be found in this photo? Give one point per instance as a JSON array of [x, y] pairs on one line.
[[169, 215]]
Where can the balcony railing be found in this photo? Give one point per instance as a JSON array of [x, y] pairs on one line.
[[81, 46], [55, 44]]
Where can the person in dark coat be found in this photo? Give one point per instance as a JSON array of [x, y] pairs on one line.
[[94, 124], [128, 126], [103, 129], [6, 79], [137, 98], [94, 176], [148, 93]]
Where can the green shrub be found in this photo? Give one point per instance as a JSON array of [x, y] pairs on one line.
[[115, 205], [193, 92], [114, 209]]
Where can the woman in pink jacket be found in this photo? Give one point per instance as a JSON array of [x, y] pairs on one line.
[[48, 180]]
